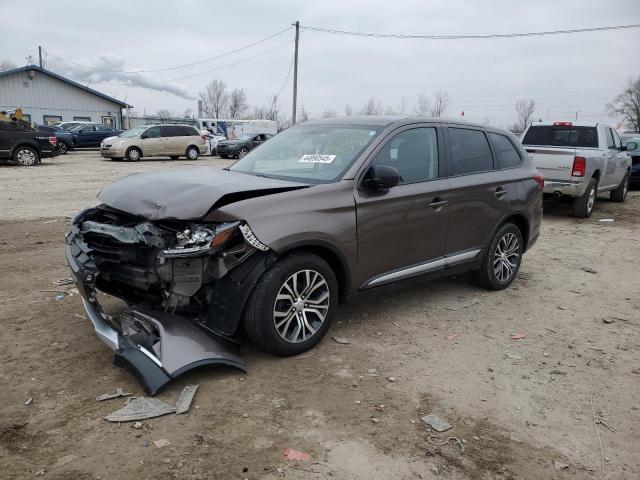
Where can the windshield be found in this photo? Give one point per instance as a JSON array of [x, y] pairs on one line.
[[75, 128], [309, 153], [134, 132]]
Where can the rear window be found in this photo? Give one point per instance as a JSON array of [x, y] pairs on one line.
[[470, 151], [562, 136], [507, 154]]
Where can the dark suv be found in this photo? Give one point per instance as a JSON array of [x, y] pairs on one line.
[[321, 212], [25, 145], [242, 145]]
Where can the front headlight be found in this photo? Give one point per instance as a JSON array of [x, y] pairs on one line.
[[199, 239]]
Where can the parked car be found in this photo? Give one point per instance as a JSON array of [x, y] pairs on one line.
[[173, 141], [579, 160], [239, 147], [631, 143], [323, 211], [70, 125], [91, 135], [25, 145], [65, 138], [212, 141]]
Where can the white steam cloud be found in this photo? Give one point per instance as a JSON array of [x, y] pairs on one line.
[[108, 68]]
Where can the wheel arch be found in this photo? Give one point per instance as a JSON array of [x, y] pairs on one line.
[[597, 175], [520, 220], [33, 145], [329, 254], [133, 147]]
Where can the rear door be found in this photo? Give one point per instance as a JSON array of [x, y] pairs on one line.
[[480, 194], [171, 140], [616, 159], [402, 231]]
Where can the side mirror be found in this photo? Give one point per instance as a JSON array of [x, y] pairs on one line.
[[143, 136], [382, 177], [630, 146]]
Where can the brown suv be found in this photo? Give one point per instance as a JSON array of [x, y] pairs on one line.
[[320, 212]]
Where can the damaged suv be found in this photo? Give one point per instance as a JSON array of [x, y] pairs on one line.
[[269, 245]]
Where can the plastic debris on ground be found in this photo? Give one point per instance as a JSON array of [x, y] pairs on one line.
[[518, 336], [436, 422], [118, 393], [341, 340], [291, 454], [163, 442], [185, 398]]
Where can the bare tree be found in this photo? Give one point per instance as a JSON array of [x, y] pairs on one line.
[[237, 103], [7, 65], [164, 113], [525, 110], [402, 105], [348, 111], [627, 104], [215, 99], [389, 110], [423, 105], [271, 111], [372, 107], [188, 113], [440, 103], [328, 113]]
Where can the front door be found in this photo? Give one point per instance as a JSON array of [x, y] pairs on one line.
[[480, 194], [402, 231], [151, 141]]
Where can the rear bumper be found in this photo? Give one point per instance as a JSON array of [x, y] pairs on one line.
[[154, 346], [572, 188]]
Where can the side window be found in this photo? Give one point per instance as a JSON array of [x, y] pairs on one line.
[[610, 141], [616, 139], [153, 132], [507, 154], [190, 132], [470, 152], [414, 153]]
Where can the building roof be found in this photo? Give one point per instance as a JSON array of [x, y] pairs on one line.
[[35, 68]]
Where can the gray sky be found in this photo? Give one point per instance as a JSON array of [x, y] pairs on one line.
[[483, 77]]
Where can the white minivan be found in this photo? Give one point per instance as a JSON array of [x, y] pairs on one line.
[[173, 141]]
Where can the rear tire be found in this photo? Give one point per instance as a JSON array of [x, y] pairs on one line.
[[133, 154], [620, 193], [277, 316], [26, 156], [192, 153], [64, 148], [583, 206], [222, 155], [502, 259]]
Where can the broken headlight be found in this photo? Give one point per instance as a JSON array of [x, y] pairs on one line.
[[199, 239]]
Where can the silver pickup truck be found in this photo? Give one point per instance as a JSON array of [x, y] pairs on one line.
[[579, 160]]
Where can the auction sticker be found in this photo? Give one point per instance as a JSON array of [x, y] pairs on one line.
[[317, 158]]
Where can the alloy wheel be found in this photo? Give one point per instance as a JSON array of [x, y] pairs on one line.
[[592, 199], [192, 154], [506, 257], [301, 306], [134, 155], [63, 148], [242, 152], [26, 157]]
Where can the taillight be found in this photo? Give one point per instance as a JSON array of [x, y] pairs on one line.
[[53, 141], [562, 124], [579, 167], [203, 136], [539, 178]]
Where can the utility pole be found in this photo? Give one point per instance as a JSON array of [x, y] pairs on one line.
[[576, 112], [40, 55], [295, 76]]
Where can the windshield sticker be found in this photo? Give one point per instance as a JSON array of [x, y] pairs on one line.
[[317, 158]]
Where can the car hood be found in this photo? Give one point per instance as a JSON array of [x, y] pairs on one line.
[[187, 193]]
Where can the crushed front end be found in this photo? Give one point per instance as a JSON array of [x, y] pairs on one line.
[[185, 283]]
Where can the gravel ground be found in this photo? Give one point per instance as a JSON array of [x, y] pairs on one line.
[[518, 405]]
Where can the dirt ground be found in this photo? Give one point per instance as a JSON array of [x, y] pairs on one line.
[[445, 347]]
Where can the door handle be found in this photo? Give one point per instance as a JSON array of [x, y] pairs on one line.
[[437, 203], [500, 192]]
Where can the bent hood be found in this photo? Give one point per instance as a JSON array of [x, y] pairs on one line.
[[187, 193]]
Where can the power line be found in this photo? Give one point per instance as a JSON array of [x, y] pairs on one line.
[[206, 60], [468, 36], [232, 64], [286, 78]]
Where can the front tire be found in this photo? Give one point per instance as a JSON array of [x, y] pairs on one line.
[[64, 148], [583, 206], [133, 154], [501, 260], [26, 156], [242, 152], [292, 305], [620, 193]]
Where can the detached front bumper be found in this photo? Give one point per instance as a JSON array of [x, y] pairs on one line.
[[154, 346], [111, 152]]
